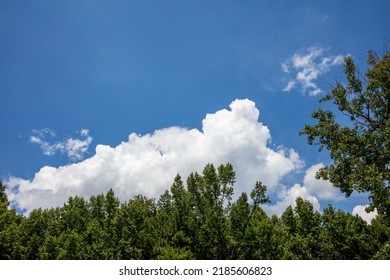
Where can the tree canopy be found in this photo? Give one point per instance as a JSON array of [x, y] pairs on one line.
[[359, 141], [194, 219]]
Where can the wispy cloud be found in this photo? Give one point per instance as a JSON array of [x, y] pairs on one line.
[[305, 69], [75, 148]]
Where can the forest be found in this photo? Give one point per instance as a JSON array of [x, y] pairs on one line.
[[198, 219], [192, 220]]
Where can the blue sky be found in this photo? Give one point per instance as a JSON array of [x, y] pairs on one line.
[[78, 77]]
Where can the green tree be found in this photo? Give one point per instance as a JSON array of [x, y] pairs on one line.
[[75, 214], [181, 209], [95, 240], [289, 221], [52, 248], [174, 253], [165, 217], [239, 222], [359, 143], [9, 223], [303, 227], [258, 195], [135, 231], [53, 245], [174, 222], [257, 242], [259, 236], [111, 207], [72, 246], [31, 235], [209, 199], [380, 232]]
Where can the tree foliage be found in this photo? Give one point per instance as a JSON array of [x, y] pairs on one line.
[[359, 143], [192, 220]]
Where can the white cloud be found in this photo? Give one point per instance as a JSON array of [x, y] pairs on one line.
[[291, 84], [147, 164], [74, 148], [319, 187], [38, 137], [285, 67], [360, 210], [312, 190], [308, 68], [288, 197]]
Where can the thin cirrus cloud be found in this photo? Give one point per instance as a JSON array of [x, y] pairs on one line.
[[304, 69], [146, 164], [74, 148]]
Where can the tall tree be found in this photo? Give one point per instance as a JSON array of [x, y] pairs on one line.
[[9, 223], [31, 235], [239, 222], [381, 234], [359, 144], [173, 220], [134, 229], [209, 198], [303, 227], [74, 214], [258, 194]]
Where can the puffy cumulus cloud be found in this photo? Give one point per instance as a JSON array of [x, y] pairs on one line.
[[147, 164], [287, 197], [319, 187], [308, 67], [312, 190], [75, 148], [360, 210]]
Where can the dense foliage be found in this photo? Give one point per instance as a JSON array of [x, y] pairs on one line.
[[196, 220]]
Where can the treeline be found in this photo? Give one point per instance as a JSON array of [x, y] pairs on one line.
[[196, 220]]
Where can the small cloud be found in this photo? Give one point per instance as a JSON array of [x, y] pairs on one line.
[[40, 136], [360, 210], [44, 132], [319, 187], [308, 67], [291, 84], [84, 132], [338, 60], [288, 197], [74, 148], [312, 190], [285, 67], [315, 92]]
